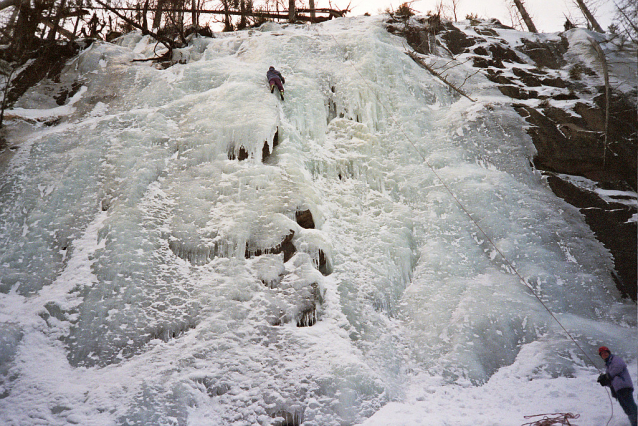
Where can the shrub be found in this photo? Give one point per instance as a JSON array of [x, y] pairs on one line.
[[403, 12], [473, 18], [576, 72]]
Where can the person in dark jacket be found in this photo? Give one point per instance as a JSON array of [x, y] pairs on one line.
[[618, 379], [275, 79]]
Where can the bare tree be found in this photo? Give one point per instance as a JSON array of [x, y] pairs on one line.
[[26, 26], [515, 18], [34, 22], [157, 19], [77, 21], [228, 24], [94, 26], [166, 41], [627, 18], [439, 9], [245, 10], [454, 7], [55, 22], [194, 14], [7, 70], [179, 9], [292, 15], [589, 16], [446, 11], [525, 16]]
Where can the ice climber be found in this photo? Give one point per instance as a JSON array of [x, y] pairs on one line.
[[276, 79], [618, 379]]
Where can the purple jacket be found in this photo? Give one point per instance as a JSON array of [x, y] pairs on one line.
[[273, 73], [617, 370]]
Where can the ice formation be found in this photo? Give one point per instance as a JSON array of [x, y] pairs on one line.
[[154, 270]]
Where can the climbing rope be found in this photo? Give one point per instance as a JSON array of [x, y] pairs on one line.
[[560, 419], [487, 237]]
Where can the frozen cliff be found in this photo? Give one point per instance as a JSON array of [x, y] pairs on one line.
[[178, 246]]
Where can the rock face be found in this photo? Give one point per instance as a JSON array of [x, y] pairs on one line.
[[48, 64], [563, 100]]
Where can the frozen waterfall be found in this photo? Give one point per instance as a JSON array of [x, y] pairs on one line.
[[155, 270]]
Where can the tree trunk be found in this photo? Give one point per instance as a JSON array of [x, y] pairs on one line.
[[57, 30], [292, 15], [5, 95], [48, 17], [590, 18], [194, 15], [242, 19], [56, 21], [144, 23], [77, 21], [526, 18], [228, 25], [157, 19], [26, 27], [311, 4]]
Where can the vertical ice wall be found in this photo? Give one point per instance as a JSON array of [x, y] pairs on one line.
[[155, 254]]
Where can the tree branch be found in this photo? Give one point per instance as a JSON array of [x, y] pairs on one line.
[[170, 44], [419, 61]]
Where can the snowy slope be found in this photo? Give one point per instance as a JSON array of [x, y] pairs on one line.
[[134, 284]]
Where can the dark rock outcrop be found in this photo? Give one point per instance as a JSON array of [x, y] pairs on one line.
[[456, 40], [286, 247], [610, 223], [304, 219], [48, 63], [548, 54]]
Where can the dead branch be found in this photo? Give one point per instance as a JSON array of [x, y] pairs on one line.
[[68, 34], [468, 77], [170, 44], [628, 21], [445, 64], [454, 66], [166, 56], [422, 63]]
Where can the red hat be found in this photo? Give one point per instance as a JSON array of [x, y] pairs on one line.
[[603, 349]]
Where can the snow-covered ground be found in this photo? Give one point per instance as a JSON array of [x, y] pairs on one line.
[[126, 297]]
